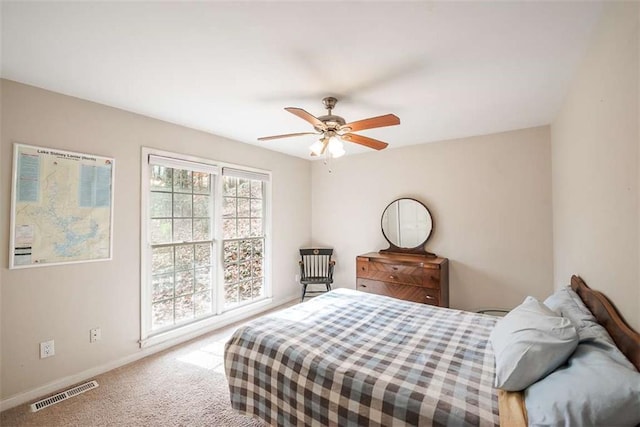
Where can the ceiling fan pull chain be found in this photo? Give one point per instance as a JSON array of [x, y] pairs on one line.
[[327, 162]]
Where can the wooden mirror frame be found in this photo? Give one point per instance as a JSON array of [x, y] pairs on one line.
[[418, 250]]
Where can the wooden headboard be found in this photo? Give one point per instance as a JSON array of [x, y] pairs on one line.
[[627, 340]]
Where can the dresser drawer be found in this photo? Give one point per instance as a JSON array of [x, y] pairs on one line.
[[362, 267], [395, 273], [406, 292], [431, 278]]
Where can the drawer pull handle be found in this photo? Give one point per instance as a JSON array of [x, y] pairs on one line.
[[430, 297], [395, 268], [392, 277], [363, 286]]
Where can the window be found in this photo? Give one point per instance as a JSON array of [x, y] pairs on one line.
[[243, 234], [191, 214]]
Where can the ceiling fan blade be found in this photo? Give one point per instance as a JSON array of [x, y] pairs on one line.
[[364, 140], [372, 122], [306, 116], [286, 135]]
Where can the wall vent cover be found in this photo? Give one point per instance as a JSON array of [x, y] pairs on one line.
[[52, 400]]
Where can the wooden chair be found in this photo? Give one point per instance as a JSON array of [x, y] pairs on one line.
[[316, 267]]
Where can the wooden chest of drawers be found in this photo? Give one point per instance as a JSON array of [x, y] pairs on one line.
[[409, 277]]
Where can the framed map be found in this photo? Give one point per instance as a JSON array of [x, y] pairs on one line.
[[61, 207]]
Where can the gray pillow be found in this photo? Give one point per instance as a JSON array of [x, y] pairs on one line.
[[529, 343], [592, 389], [567, 303]]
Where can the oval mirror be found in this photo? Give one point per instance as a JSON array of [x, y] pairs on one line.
[[407, 225]]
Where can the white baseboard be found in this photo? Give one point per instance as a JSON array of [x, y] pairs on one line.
[[70, 380]]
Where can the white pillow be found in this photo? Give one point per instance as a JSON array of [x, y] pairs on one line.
[[529, 343]]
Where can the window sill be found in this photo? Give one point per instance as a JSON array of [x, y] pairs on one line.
[[195, 329]]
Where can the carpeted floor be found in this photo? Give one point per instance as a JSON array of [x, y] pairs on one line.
[[182, 386]]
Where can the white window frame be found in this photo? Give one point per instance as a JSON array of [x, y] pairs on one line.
[[219, 317], [251, 175]]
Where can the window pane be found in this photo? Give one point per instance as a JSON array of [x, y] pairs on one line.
[[203, 279], [256, 227], [244, 270], [201, 229], [161, 178], [184, 308], [162, 314], [162, 287], [257, 288], [256, 208], [256, 189], [257, 247], [162, 260], [160, 205], [202, 303], [203, 255], [184, 282], [229, 207], [182, 206], [183, 230], [201, 206], [256, 268], [184, 257], [160, 230], [201, 183], [229, 229], [244, 187], [229, 185], [243, 208], [245, 250], [230, 252], [243, 228], [182, 181], [245, 291], [231, 273], [230, 293]]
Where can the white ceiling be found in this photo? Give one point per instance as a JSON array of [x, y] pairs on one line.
[[447, 69]]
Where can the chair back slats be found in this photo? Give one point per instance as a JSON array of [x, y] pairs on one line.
[[316, 264]]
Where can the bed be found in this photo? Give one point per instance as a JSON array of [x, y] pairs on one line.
[[349, 358]]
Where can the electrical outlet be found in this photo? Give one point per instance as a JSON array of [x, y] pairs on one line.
[[95, 334], [47, 349]]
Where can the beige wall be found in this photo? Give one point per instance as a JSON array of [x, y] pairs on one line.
[[595, 143], [64, 302], [490, 197]]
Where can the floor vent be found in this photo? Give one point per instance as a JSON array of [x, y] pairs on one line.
[[41, 404]]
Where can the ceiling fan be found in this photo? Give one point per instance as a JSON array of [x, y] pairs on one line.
[[334, 130]]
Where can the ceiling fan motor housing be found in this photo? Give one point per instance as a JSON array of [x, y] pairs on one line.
[[330, 121]]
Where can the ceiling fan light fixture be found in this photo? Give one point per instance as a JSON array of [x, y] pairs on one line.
[[316, 148], [336, 148]]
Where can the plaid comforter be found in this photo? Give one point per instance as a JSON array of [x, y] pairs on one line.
[[348, 358]]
